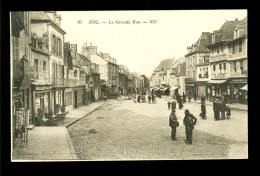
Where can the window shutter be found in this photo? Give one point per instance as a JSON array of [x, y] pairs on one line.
[[52, 43], [245, 64]]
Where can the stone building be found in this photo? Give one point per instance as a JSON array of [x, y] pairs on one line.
[[46, 26], [228, 58]]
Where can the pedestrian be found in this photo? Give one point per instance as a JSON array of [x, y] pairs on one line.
[[189, 98], [215, 109], [203, 99], [138, 98], [203, 111], [195, 97], [184, 97], [180, 104], [149, 99], [173, 123], [174, 104], [105, 98], [223, 110], [189, 121], [153, 98], [228, 112], [169, 105]]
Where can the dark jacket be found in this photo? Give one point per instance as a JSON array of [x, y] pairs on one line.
[[223, 107], [173, 105], [215, 106], [173, 122], [203, 108], [189, 120]]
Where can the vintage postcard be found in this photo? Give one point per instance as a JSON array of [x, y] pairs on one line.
[[129, 85]]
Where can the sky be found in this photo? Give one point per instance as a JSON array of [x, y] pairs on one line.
[[141, 47]]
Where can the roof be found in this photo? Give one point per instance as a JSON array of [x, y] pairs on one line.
[[165, 64], [42, 16], [226, 32]]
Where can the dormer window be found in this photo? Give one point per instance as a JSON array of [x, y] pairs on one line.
[[236, 33]]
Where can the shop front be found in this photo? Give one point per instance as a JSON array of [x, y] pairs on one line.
[[190, 86], [235, 91], [202, 88], [217, 89]]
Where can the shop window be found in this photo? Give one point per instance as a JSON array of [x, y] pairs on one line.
[[235, 66], [44, 66], [240, 46], [224, 66]]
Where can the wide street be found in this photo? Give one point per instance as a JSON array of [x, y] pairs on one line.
[[140, 131]]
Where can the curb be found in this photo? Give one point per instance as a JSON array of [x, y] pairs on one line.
[[83, 116], [230, 107]]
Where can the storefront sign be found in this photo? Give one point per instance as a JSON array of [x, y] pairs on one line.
[[239, 80], [43, 88]]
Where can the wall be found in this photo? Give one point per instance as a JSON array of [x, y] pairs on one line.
[[44, 77]]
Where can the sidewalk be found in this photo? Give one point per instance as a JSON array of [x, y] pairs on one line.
[[53, 143], [79, 113], [46, 143], [235, 106]]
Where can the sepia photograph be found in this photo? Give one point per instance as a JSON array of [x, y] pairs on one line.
[[129, 85]]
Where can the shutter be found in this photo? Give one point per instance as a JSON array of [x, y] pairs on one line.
[[245, 64], [52, 43]]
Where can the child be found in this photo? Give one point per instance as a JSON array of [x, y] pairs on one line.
[[169, 105], [189, 99], [228, 112]]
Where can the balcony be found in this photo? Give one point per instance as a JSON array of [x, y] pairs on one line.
[[219, 57], [237, 56], [239, 73]]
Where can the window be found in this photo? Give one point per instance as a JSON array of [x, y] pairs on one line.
[[235, 67], [36, 68], [240, 46], [214, 67], [224, 66], [188, 74], [233, 48], [220, 66], [241, 65], [44, 66], [217, 50]]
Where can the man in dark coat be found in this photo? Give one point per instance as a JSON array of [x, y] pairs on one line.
[[153, 98], [173, 123], [203, 110], [195, 97], [223, 110], [169, 105], [189, 121], [180, 104], [138, 98], [203, 99], [216, 109], [184, 97], [149, 99], [174, 105]]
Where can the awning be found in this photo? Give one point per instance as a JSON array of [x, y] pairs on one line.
[[173, 88], [244, 88], [217, 81], [166, 88]]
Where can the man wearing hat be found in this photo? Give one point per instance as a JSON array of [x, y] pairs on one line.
[[173, 123], [189, 121]]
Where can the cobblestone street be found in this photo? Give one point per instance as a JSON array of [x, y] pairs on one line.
[[128, 130]]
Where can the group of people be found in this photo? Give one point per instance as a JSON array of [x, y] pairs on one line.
[[189, 122], [151, 98], [139, 98], [221, 111]]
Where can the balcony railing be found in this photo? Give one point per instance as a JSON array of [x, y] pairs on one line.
[[239, 73], [237, 56], [219, 75]]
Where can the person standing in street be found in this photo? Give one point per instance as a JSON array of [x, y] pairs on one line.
[[180, 104], [228, 112], [223, 110], [189, 98], [203, 111], [174, 104], [149, 99], [215, 109], [195, 97], [203, 99], [184, 97], [173, 123], [105, 98], [153, 98], [189, 121], [169, 105]]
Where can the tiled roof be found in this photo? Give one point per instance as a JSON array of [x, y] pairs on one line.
[[39, 15], [243, 25], [226, 32], [205, 39]]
